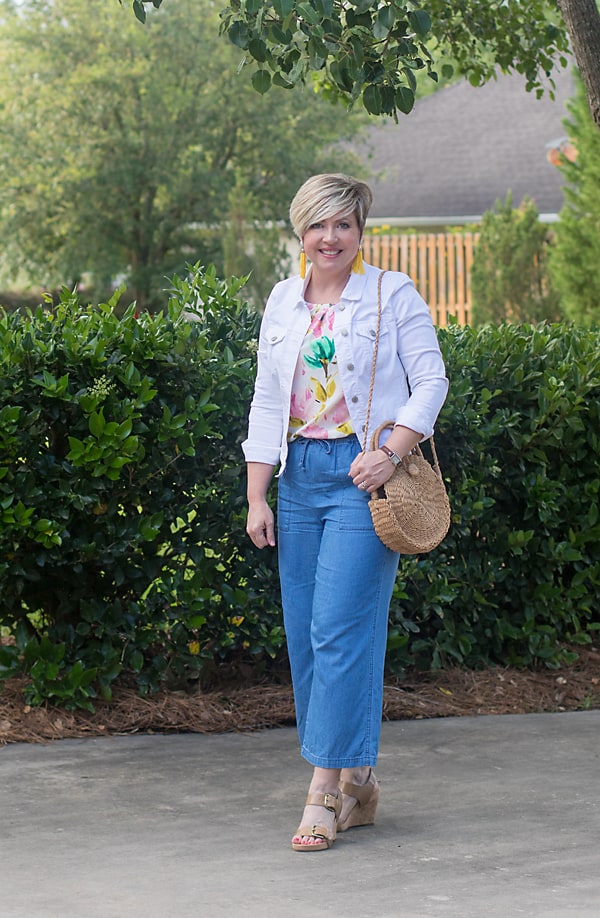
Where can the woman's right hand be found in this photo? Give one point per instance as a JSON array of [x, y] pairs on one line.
[[260, 525]]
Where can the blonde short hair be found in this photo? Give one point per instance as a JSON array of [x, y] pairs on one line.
[[323, 196]]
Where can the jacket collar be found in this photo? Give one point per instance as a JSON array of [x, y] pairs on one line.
[[356, 287], [353, 291]]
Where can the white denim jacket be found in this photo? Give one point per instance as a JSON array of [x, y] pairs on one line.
[[410, 381]]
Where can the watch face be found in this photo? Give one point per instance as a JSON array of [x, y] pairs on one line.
[[393, 457]]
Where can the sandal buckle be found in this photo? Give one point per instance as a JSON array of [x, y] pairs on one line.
[[327, 804]]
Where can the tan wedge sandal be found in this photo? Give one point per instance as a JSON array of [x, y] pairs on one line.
[[366, 797], [326, 837]]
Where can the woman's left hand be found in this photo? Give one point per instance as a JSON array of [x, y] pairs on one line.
[[370, 470]]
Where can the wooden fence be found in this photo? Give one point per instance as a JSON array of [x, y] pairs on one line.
[[438, 263]]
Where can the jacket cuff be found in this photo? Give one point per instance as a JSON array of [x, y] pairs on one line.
[[256, 452]]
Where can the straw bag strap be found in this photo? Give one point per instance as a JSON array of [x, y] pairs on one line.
[[374, 363], [436, 464]]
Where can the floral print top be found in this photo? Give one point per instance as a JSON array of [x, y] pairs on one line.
[[318, 407]]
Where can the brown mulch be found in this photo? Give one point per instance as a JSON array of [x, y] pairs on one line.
[[446, 693]]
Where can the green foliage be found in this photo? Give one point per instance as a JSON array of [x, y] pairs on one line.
[[364, 50], [511, 36], [509, 276], [576, 255], [251, 247], [122, 506], [371, 51], [139, 7], [50, 678], [125, 161], [122, 500], [517, 579]]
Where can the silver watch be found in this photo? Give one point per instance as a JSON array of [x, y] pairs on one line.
[[392, 456]]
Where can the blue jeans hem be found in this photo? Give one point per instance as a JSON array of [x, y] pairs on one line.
[[355, 761]]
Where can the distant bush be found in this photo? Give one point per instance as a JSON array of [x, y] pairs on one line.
[[510, 281], [518, 577], [575, 257], [122, 543]]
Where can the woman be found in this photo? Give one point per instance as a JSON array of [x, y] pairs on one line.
[[308, 416]]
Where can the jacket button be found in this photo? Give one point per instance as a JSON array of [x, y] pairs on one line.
[[273, 337], [355, 398], [345, 332], [372, 332], [341, 307], [350, 366]]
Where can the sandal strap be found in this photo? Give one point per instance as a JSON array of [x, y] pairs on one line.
[[361, 792], [332, 802], [315, 832]]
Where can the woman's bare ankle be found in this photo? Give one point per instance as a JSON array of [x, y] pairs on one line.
[[359, 775], [324, 781]]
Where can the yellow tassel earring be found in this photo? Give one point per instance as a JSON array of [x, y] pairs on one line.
[[302, 263], [357, 264]]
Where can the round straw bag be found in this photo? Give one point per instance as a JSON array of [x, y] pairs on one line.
[[411, 511]]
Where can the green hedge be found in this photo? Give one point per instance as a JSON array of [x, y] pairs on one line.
[[518, 577], [122, 500], [122, 544]]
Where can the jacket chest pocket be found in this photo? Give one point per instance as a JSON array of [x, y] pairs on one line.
[[275, 336], [277, 349], [366, 335]]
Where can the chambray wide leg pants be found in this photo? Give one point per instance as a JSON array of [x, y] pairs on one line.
[[337, 580]]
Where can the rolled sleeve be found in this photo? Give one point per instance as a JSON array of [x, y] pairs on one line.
[[421, 411], [265, 422], [420, 354]]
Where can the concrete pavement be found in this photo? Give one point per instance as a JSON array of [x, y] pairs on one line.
[[483, 817]]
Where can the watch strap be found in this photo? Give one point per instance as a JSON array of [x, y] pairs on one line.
[[392, 456]]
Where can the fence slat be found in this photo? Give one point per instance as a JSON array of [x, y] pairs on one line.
[[385, 253], [470, 240], [411, 267], [421, 275], [451, 264], [441, 287], [404, 254], [439, 264]]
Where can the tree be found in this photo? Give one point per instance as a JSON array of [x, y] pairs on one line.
[[371, 49], [122, 148], [576, 254], [582, 20], [509, 277]]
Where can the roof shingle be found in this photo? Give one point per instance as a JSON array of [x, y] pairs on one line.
[[465, 147]]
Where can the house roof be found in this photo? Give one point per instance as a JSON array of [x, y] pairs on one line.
[[465, 147]]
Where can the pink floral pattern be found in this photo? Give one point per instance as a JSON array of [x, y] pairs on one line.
[[318, 407]]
